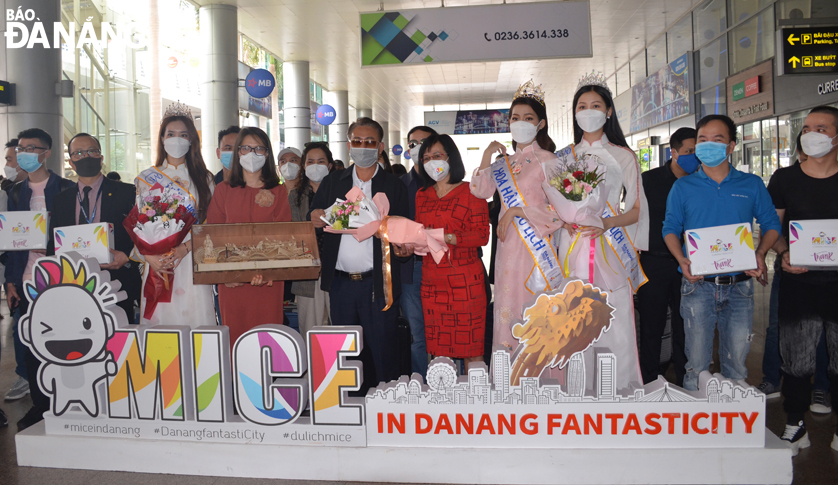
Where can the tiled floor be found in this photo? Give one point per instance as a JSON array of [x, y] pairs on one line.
[[815, 465]]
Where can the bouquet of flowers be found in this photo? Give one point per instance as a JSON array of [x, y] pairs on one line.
[[157, 224], [349, 214], [577, 181], [576, 189]]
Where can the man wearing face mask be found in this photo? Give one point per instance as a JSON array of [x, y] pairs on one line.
[[290, 162], [12, 173], [351, 271], [663, 290], [718, 195], [807, 307], [35, 193], [96, 198], [411, 300], [224, 152]]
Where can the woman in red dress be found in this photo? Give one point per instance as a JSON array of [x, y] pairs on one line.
[[453, 291], [253, 194]]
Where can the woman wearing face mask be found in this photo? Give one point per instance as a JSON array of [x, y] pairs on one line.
[[290, 167], [518, 275], [596, 131], [180, 166], [253, 194], [312, 302], [455, 324]]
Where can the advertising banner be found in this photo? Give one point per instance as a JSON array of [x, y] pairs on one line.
[[469, 122], [480, 33], [662, 96]]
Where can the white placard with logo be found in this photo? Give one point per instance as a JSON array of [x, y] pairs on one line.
[[23, 230], [814, 243], [720, 249], [89, 240], [539, 30]]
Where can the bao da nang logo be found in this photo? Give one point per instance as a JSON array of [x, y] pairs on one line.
[[720, 247], [24, 30], [823, 240]]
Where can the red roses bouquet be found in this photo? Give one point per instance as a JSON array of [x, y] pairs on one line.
[[157, 224]]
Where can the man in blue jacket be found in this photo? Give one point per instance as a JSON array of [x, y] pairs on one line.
[[34, 193], [718, 195]]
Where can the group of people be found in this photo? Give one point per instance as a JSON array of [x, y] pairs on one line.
[[447, 303]]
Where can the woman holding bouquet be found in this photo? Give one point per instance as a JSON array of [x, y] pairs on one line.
[[519, 276], [312, 302], [253, 194], [453, 291], [179, 169], [597, 132]]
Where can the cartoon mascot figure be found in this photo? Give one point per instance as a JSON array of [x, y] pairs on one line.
[[67, 328]]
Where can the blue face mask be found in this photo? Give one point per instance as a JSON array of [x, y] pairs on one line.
[[28, 161], [226, 159], [688, 162], [711, 153]]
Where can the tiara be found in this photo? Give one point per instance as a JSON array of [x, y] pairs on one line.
[[595, 78], [530, 90], [178, 109]]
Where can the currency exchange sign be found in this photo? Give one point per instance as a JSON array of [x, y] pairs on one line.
[[809, 50], [476, 33]]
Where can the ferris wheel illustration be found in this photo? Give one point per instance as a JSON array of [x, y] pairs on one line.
[[441, 374]]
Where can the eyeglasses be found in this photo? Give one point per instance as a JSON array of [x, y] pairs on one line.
[[79, 154], [363, 143], [245, 149], [19, 149], [435, 156], [413, 144]]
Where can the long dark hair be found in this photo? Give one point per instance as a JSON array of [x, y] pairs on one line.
[[612, 125], [195, 165], [268, 176], [304, 188], [457, 170], [542, 138]]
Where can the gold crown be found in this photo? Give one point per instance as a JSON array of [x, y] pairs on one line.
[[530, 90], [178, 109], [595, 78]]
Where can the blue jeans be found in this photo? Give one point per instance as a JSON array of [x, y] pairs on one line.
[[704, 306], [411, 302]]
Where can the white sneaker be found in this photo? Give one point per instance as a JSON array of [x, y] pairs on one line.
[[821, 402], [18, 390], [797, 437]]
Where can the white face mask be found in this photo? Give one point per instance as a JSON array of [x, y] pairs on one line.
[[414, 153], [290, 171], [523, 131], [590, 120], [176, 147], [252, 162], [437, 169], [317, 172], [10, 172], [364, 157], [816, 144]]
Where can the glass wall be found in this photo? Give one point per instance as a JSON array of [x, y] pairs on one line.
[[712, 63], [679, 38], [637, 66], [753, 41], [623, 79], [709, 21], [656, 55]]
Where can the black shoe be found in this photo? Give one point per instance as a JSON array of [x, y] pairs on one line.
[[797, 438], [34, 415], [4, 421]]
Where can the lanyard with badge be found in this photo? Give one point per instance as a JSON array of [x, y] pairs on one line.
[[95, 203]]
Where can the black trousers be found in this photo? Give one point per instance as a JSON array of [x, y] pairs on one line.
[[662, 291], [353, 303]]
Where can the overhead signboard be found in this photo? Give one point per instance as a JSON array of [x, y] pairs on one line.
[[809, 50], [473, 122], [479, 33], [663, 96]]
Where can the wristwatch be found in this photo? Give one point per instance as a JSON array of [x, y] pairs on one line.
[[449, 237]]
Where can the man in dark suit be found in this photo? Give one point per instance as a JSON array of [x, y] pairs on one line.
[[96, 198], [352, 270]]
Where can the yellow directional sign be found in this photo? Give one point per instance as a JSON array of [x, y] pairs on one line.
[[793, 39], [808, 50], [794, 61]]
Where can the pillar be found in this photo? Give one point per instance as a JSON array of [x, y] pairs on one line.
[[339, 100], [386, 140], [297, 100], [364, 113], [395, 139], [35, 73], [219, 84]]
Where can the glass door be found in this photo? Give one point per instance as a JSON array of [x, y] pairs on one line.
[[752, 159]]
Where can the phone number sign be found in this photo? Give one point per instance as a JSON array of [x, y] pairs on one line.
[[479, 33], [809, 50]]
